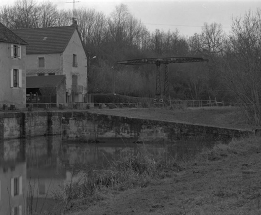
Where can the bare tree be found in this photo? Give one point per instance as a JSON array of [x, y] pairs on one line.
[[242, 63], [212, 38], [118, 23], [23, 15], [30, 14], [48, 15], [210, 41]]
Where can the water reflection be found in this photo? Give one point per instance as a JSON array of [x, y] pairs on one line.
[[13, 187], [32, 171]]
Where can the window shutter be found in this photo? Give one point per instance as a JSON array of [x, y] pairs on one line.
[[19, 52], [12, 187], [20, 210], [20, 185], [20, 78], [12, 50], [12, 211], [12, 78]]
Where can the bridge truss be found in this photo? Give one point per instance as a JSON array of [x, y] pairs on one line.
[[158, 62]]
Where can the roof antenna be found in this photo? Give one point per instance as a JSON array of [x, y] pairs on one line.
[[74, 21]]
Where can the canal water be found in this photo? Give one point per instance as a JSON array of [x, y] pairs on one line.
[[33, 170]]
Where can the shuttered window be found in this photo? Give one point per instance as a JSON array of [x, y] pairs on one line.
[[16, 78], [15, 51], [16, 186]]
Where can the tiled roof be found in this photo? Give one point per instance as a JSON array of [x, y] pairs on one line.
[[7, 36], [46, 40], [44, 81]]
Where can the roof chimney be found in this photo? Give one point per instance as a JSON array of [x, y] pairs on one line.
[[74, 22]]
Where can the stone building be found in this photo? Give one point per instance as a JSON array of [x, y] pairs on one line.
[[12, 68], [57, 51]]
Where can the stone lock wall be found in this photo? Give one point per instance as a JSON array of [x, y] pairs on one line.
[[84, 126], [29, 124]]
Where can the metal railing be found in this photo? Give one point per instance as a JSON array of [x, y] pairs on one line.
[[83, 105], [196, 103], [41, 105], [159, 103]]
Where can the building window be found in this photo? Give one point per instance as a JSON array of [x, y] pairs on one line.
[[51, 73], [41, 74], [18, 210], [15, 51], [75, 60], [16, 78], [41, 61], [74, 83], [41, 188], [16, 186]]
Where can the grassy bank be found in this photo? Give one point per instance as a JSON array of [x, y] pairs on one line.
[[224, 180]]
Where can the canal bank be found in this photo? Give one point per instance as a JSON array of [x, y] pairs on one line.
[[223, 180], [83, 125]]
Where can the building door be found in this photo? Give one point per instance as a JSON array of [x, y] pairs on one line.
[[74, 88]]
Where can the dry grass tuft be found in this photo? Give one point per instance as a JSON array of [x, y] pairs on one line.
[[240, 147]]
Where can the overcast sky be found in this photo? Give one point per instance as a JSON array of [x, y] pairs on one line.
[[186, 15]]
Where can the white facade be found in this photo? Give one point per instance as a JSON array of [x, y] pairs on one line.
[[12, 75], [72, 63], [13, 189], [79, 70]]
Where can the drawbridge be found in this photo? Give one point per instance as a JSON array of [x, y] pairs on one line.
[[158, 62]]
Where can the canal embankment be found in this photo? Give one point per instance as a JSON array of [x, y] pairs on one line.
[[143, 125], [216, 174], [222, 180]]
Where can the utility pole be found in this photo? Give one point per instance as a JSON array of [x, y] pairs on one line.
[[113, 76], [89, 58], [87, 78]]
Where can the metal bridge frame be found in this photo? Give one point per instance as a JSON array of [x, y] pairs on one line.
[[158, 62]]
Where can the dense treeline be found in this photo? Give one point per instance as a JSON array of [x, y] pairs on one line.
[[232, 73]]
